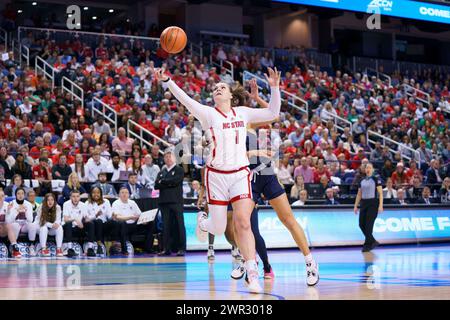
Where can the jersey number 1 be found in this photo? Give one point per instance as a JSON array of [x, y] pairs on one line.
[[237, 136]]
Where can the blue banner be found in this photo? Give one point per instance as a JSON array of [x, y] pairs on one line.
[[396, 8], [334, 227]]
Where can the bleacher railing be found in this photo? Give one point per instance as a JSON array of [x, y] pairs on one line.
[[108, 113], [221, 64], [73, 89], [4, 38], [91, 39], [131, 132], [385, 141], [359, 64], [47, 70], [339, 122], [197, 50], [292, 100], [420, 95], [21, 52], [380, 75]]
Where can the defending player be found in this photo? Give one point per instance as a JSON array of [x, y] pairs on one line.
[[266, 182]]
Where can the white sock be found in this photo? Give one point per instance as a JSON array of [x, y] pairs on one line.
[[251, 265], [69, 245], [90, 245], [309, 258]]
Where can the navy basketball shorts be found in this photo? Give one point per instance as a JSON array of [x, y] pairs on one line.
[[267, 185]]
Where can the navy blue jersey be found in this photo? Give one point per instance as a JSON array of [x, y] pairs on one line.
[[258, 163]]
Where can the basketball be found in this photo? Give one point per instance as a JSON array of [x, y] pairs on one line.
[[173, 39]]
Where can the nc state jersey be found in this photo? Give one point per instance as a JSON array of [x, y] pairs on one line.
[[226, 139], [226, 133]]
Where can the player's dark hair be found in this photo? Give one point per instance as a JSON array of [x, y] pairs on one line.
[[239, 96]]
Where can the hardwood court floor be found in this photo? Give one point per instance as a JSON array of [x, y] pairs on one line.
[[400, 272]]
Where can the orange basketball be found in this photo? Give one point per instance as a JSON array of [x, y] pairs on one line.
[[173, 39]]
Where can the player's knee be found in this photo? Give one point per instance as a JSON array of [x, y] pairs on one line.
[[288, 221], [242, 224]]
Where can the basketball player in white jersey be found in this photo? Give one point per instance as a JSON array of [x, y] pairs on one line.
[[227, 177]]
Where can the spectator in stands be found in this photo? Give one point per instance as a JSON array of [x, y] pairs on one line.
[[414, 171], [100, 127], [303, 198], [298, 186], [48, 220], [136, 167], [387, 170], [329, 156], [73, 212], [376, 156], [149, 172], [284, 171], [434, 173], [16, 182], [296, 137], [95, 165], [400, 176], [107, 189], [194, 191], [305, 171], [356, 161], [5, 164], [115, 166], [320, 171], [133, 186], [22, 168], [401, 198], [444, 192], [158, 159], [126, 212], [73, 183], [169, 181], [425, 199], [389, 192], [122, 144], [415, 191], [424, 153], [78, 167], [43, 174], [61, 171], [330, 197]]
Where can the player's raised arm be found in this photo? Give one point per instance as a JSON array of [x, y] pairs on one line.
[[198, 110], [273, 110], [254, 94]]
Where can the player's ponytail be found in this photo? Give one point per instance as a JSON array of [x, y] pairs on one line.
[[239, 96]]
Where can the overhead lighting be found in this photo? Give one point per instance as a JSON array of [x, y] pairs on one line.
[[19, 11], [85, 8], [128, 20], [111, 10], [94, 18], [34, 4]]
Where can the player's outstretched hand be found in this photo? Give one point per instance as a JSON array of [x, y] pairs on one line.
[[159, 74], [274, 77], [253, 89]]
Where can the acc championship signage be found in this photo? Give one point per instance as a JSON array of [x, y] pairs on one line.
[[333, 227], [396, 8]]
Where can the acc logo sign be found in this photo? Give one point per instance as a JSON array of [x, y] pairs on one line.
[[382, 4]]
